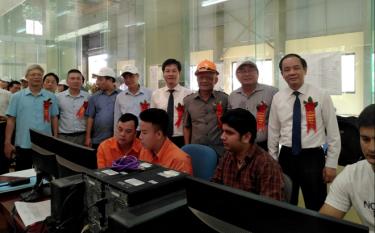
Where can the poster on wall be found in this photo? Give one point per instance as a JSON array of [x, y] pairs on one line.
[[219, 86], [323, 70], [155, 76]]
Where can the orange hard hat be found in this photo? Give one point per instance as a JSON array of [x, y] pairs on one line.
[[206, 66]]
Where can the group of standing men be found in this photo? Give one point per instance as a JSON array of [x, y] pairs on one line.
[[300, 118]]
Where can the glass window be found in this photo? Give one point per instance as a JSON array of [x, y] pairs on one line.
[[347, 73]]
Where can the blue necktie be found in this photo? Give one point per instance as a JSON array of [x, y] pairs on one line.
[[170, 111], [296, 130]]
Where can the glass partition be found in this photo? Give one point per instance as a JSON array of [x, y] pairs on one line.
[[61, 35]]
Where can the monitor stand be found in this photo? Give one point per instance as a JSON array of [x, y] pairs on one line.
[[39, 190]]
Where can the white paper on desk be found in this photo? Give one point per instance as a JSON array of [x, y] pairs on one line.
[[24, 173], [31, 212]]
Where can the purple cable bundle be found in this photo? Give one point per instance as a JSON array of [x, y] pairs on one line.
[[127, 162]]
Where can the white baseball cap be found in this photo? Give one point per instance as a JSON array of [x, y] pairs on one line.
[[130, 69], [5, 79], [23, 79], [105, 71], [63, 82], [247, 63]]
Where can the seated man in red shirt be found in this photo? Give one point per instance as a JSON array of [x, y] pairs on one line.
[[125, 142], [245, 165], [157, 148]]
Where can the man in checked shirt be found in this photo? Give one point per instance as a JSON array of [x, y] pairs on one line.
[[245, 165]]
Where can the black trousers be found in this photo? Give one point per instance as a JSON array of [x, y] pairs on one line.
[[24, 158], [306, 171], [4, 162]]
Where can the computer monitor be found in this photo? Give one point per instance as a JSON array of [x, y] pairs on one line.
[[223, 207], [44, 163], [71, 158]]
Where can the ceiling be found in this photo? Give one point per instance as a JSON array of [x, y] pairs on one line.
[[8, 5]]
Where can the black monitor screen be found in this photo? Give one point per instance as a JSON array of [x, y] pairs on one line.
[[44, 160], [72, 158], [258, 214]]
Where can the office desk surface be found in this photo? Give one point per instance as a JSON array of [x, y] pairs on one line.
[[8, 220]]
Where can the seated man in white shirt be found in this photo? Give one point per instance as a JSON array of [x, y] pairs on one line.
[[354, 186]]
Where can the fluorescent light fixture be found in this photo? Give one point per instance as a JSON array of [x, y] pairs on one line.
[[211, 2], [83, 31], [134, 24], [21, 30], [63, 13]]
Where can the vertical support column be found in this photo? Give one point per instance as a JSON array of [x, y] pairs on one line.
[[185, 62], [279, 37], [368, 53]]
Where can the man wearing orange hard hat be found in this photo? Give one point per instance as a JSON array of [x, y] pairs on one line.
[[203, 109]]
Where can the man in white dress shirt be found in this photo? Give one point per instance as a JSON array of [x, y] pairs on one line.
[[170, 98], [354, 186], [302, 119]]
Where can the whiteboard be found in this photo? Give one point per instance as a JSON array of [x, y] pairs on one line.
[[323, 71]]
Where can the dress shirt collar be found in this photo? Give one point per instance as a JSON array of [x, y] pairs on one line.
[[249, 154], [141, 90], [258, 87], [176, 88], [196, 95], [164, 148], [115, 91], [67, 93], [41, 92], [302, 89], [135, 146]]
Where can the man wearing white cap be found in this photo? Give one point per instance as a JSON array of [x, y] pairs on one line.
[[100, 109], [24, 83], [62, 86], [135, 98], [253, 97], [170, 98]]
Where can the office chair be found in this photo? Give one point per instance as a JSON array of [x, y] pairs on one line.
[[287, 188], [203, 158]]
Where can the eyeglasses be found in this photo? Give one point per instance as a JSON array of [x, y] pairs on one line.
[[247, 70]]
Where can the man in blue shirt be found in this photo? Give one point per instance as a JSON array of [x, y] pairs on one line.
[[72, 105], [100, 109], [31, 108], [131, 100]]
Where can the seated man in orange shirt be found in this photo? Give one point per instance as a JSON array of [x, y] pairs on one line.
[[157, 148], [125, 142]]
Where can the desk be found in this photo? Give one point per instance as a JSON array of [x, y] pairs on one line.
[[7, 220]]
